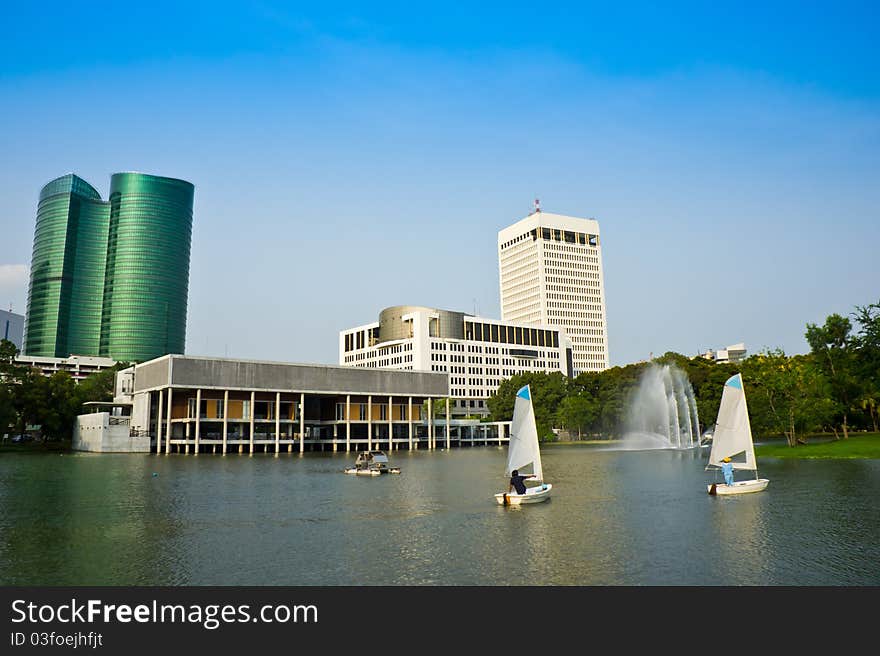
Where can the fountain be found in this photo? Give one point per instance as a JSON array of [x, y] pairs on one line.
[[662, 412]]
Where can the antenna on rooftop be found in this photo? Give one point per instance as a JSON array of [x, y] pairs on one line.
[[537, 205]]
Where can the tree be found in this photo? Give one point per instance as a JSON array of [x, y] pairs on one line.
[[7, 409], [833, 349], [867, 344], [578, 412], [8, 367], [61, 406], [548, 390], [786, 395]]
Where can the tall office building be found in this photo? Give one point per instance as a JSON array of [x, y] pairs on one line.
[[110, 278], [146, 284], [550, 270], [67, 270]]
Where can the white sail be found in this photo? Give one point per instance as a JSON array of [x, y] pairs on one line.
[[523, 447], [733, 433]]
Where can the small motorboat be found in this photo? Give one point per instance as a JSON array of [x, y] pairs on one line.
[[371, 463]]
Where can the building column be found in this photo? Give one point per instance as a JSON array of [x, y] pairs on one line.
[[335, 437], [277, 422], [390, 425], [225, 418], [302, 422], [198, 418], [159, 424], [347, 423], [186, 437], [409, 422], [168, 425], [369, 423], [253, 400], [447, 425], [430, 423]]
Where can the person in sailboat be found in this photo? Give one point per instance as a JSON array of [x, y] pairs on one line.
[[727, 470], [517, 482]]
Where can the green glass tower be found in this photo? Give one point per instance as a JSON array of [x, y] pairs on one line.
[[147, 274], [110, 278], [67, 270]]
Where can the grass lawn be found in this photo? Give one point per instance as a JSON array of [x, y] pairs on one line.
[[859, 445]]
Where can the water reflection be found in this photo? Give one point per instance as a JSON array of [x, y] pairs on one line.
[[615, 518]]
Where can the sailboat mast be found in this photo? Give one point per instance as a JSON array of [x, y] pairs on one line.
[[749, 426]]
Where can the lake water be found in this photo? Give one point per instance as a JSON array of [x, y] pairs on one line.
[[616, 518]]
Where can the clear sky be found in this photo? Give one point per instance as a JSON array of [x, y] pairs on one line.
[[352, 156]]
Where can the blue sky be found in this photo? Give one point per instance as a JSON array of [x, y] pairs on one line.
[[348, 157]]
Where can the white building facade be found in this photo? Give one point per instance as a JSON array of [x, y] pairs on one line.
[[732, 354], [477, 353], [78, 366], [550, 271]]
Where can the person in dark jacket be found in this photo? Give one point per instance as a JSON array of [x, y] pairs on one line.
[[516, 482]]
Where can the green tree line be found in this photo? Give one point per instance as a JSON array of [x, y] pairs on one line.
[[28, 398], [834, 388]]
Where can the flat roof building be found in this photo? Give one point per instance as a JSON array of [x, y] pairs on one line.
[[477, 353], [187, 404]]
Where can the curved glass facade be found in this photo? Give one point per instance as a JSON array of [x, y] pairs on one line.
[[146, 280], [67, 270], [110, 278]]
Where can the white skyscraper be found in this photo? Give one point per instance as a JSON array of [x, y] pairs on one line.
[[550, 269]]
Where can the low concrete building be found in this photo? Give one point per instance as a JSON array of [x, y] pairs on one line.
[[105, 432], [189, 404]]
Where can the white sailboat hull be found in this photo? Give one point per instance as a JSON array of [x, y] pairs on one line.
[[738, 487], [533, 495]]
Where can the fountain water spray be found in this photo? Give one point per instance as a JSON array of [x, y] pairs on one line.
[[662, 412]]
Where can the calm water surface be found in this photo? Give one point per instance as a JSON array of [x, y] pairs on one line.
[[616, 518]]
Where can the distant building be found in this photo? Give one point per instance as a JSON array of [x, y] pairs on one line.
[[733, 353], [110, 278], [12, 327], [476, 352], [550, 269], [78, 366]]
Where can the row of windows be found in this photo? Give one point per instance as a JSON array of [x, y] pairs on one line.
[[555, 234], [491, 332]]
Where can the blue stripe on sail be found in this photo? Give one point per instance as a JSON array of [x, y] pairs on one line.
[[524, 393], [735, 381]]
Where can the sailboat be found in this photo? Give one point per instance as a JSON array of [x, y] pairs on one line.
[[733, 437], [522, 451]]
